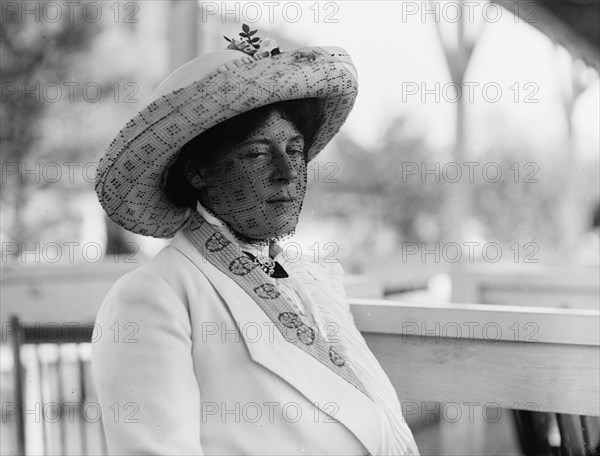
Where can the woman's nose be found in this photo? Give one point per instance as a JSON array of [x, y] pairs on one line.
[[285, 168]]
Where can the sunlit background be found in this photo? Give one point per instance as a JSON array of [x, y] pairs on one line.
[[384, 198]]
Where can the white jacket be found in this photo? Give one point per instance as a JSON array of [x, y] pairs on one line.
[[197, 367]]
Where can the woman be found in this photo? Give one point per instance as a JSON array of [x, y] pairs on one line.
[[236, 350]]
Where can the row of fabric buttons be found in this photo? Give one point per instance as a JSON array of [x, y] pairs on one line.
[[306, 334]]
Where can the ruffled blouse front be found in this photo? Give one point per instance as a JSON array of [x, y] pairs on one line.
[[317, 292]]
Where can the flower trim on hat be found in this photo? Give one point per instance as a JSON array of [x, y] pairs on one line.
[[256, 47]]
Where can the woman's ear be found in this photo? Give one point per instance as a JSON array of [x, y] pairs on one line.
[[194, 174]]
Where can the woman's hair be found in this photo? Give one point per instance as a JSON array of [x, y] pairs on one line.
[[207, 146]]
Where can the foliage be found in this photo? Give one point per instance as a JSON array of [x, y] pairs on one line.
[[519, 207], [32, 55], [373, 182]]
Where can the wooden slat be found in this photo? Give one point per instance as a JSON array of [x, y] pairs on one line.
[[73, 293], [571, 436], [18, 385], [533, 432], [546, 297], [57, 293], [560, 373], [590, 428], [507, 355], [533, 286], [544, 377], [478, 321]]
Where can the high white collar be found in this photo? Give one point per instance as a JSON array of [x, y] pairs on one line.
[[254, 249]]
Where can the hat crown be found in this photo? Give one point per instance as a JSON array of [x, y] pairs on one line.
[[195, 70], [342, 55], [202, 66]]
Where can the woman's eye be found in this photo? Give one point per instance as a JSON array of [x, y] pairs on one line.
[[256, 154], [295, 151]]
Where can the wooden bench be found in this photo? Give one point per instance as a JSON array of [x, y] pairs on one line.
[[576, 287], [75, 291], [478, 357], [484, 357]]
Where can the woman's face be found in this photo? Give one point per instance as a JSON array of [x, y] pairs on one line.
[[257, 186]]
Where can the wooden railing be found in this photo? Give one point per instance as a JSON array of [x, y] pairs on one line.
[[531, 285], [515, 357], [74, 292]]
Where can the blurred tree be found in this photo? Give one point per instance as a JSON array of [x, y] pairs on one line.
[[520, 206], [386, 184], [39, 57], [410, 193], [33, 53], [402, 183]]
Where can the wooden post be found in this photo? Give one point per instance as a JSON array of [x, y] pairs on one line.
[[575, 77], [457, 197], [456, 209]]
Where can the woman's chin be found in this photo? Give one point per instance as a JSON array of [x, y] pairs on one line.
[[276, 229]]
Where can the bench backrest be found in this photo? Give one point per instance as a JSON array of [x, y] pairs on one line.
[[517, 357], [545, 359]]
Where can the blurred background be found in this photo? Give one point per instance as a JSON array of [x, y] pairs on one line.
[[468, 170]]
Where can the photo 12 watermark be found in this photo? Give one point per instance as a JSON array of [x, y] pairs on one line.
[[467, 11], [71, 412], [71, 252], [454, 412], [270, 412], [70, 11], [51, 172], [471, 172], [326, 173], [69, 91], [255, 12], [66, 332], [470, 92], [317, 252], [264, 331], [454, 331], [469, 251]]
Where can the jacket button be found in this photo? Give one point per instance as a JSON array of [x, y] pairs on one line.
[[306, 334], [290, 320], [336, 358]]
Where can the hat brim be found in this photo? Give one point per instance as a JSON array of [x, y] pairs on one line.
[[130, 180]]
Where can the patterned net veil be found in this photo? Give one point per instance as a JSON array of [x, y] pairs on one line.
[[254, 181]]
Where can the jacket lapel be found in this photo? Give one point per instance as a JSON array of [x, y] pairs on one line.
[[296, 352]]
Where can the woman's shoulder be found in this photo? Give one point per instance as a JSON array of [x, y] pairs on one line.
[[159, 281], [152, 274]]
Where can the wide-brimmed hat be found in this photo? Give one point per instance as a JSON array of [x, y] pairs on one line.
[[199, 95]]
